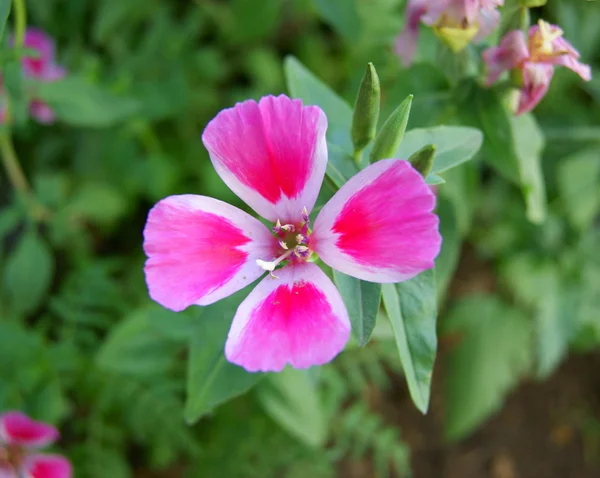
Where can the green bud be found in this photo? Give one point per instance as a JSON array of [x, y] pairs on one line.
[[422, 160], [390, 136], [366, 109]]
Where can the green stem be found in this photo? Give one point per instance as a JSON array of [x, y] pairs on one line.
[[20, 22], [17, 177]]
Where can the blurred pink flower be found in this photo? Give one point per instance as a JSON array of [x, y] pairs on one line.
[[378, 227], [456, 22], [20, 437], [43, 68], [534, 58]]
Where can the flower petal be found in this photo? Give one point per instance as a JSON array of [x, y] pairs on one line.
[[379, 226], [48, 466], [272, 154], [406, 43], [511, 53], [18, 429], [44, 44], [536, 81], [200, 250], [297, 318], [41, 112]]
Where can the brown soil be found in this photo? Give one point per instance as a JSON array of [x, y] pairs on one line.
[[544, 430]]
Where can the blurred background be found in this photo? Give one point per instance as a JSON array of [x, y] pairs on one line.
[[516, 387]]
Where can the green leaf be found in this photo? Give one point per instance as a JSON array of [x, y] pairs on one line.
[[434, 179], [487, 362], [312, 91], [28, 273], [135, 347], [537, 285], [340, 166], [529, 143], [211, 379], [412, 309], [454, 145], [389, 137], [291, 399], [481, 108], [578, 183], [98, 202], [342, 15], [77, 102], [4, 12], [366, 109], [362, 302]]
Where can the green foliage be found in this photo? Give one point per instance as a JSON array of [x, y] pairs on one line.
[[362, 301], [291, 399], [412, 309], [211, 379], [83, 347], [28, 273], [390, 136], [499, 337], [454, 145]]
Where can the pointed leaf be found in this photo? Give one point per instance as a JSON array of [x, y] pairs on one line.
[[454, 145], [362, 300], [412, 309]]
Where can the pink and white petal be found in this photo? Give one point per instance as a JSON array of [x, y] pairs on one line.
[[272, 154], [570, 59], [201, 250], [48, 466], [297, 318], [536, 81], [488, 20], [435, 10], [16, 428], [406, 42], [510, 53], [379, 226]]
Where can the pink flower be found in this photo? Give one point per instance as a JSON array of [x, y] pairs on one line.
[[456, 22], [43, 68], [534, 58], [20, 436], [378, 227]]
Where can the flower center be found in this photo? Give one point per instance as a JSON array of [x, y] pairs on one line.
[[543, 41], [294, 241], [11, 457]]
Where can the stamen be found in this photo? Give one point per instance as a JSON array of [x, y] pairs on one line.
[[288, 228], [300, 239], [277, 227], [283, 245], [305, 217], [270, 265]]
